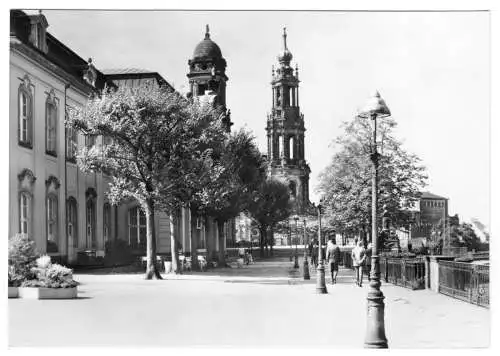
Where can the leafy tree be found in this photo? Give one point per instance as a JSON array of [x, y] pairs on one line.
[[156, 149], [345, 184], [269, 205], [236, 173], [463, 235], [481, 227]]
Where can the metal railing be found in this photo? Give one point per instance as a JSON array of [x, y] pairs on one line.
[[454, 251], [465, 281], [404, 272]]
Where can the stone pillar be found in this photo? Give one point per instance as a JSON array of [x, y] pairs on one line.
[[432, 273]]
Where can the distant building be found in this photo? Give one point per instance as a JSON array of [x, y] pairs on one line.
[[285, 132], [429, 219]]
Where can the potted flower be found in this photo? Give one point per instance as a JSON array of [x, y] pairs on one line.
[[51, 281]]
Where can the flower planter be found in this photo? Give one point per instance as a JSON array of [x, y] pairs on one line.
[[47, 293], [13, 292]]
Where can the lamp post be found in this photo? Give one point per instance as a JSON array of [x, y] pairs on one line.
[[320, 271], [296, 262], [375, 328], [306, 264], [290, 240]]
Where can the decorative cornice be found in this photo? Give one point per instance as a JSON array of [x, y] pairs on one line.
[[26, 173], [52, 180]]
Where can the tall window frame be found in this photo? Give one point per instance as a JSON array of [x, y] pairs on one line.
[[51, 124], [90, 222], [25, 114], [71, 144], [72, 221], [51, 218], [106, 219], [25, 213], [136, 227]]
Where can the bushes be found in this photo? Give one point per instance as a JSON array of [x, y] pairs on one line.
[[27, 269], [22, 258], [118, 252]]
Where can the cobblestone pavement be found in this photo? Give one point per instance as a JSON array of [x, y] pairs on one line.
[[262, 305]]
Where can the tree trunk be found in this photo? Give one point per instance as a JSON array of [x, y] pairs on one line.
[[272, 240], [174, 247], [194, 244], [222, 252], [262, 231], [151, 267]]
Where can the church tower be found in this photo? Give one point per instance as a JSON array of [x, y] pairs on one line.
[[207, 74], [285, 131]]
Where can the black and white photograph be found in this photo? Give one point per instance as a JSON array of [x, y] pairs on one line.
[[245, 178]]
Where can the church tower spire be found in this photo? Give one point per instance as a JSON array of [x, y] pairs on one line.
[[285, 131]]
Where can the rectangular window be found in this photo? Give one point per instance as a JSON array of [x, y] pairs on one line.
[[24, 216], [51, 125], [137, 227], [89, 141], [24, 118], [71, 144], [91, 243], [106, 221]]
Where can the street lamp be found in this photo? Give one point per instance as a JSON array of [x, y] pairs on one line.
[[306, 264], [320, 271], [290, 240], [296, 263], [375, 328]]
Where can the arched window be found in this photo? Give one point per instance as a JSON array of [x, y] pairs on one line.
[[25, 113], [106, 221], [72, 220], [51, 125], [281, 146], [25, 213], [52, 223], [90, 223], [291, 147], [293, 189], [136, 227]]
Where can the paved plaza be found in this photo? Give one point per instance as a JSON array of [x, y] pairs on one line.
[[262, 305]]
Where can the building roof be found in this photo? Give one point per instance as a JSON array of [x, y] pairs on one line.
[[429, 195], [128, 73], [57, 53], [119, 71], [207, 48]]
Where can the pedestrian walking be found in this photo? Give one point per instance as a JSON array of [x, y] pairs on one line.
[[333, 258], [358, 260], [314, 254]]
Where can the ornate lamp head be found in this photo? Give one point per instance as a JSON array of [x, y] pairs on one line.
[[375, 106]]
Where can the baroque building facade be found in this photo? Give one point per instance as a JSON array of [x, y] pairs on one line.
[[62, 209], [66, 211], [285, 131]]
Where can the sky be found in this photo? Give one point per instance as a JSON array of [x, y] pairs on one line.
[[432, 69]]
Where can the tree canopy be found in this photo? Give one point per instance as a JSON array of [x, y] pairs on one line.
[[345, 184], [156, 148], [269, 205], [236, 173]]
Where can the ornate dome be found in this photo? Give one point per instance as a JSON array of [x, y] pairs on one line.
[[207, 48]]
